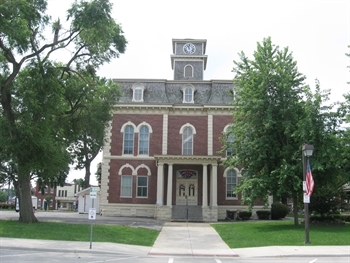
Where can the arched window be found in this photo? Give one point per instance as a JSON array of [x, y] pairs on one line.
[[144, 140], [188, 94], [187, 141], [188, 71], [138, 93], [229, 140], [128, 140]]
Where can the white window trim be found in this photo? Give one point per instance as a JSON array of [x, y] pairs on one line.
[[150, 130], [187, 125], [122, 130], [225, 175], [121, 186], [134, 88], [137, 186], [139, 140], [183, 89], [225, 133], [182, 129]]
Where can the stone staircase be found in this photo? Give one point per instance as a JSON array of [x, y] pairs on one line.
[[183, 213]]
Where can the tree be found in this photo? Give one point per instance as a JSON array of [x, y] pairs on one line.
[[266, 113], [322, 128], [98, 173], [32, 113], [91, 120], [3, 196], [78, 183], [275, 115]]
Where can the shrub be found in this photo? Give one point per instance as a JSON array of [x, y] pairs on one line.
[[278, 211], [328, 220], [342, 217], [263, 214], [244, 215], [7, 206]]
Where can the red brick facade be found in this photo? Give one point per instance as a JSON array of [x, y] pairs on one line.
[[185, 113]]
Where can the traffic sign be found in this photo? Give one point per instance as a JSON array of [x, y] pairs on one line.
[[93, 193], [92, 213]]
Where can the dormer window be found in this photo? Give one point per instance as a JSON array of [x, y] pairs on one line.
[[138, 93], [188, 94]]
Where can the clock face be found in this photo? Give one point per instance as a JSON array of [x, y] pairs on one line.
[[189, 48]]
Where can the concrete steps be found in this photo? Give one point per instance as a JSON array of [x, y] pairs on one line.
[[189, 213]]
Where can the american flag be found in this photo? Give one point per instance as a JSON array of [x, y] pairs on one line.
[[309, 180]]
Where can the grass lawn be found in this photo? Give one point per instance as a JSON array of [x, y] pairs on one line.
[[292, 216], [280, 233], [78, 232]]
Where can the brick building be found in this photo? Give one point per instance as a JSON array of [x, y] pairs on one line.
[[163, 153], [49, 192]]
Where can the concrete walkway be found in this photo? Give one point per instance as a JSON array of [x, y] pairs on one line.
[[195, 239]]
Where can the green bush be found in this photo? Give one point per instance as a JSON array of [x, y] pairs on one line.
[[263, 214], [245, 215], [342, 217], [278, 211], [329, 219], [7, 206]]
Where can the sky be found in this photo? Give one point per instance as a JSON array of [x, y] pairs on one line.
[[316, 32]]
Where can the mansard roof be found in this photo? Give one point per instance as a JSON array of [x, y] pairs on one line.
[[161, 91]]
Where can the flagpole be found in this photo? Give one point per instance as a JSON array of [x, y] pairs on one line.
[[306, 153], [306, 208]]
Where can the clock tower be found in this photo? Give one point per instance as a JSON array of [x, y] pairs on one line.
[[189, 60]]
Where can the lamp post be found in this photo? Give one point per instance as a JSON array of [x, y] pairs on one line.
[[307, 151]]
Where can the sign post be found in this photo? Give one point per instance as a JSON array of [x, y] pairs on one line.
[[92, 210]]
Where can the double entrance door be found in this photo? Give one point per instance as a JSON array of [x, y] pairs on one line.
[[186, 191]]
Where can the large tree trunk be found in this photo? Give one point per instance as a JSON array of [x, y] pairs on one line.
[[295, 208], [26, 213], [87, 175]]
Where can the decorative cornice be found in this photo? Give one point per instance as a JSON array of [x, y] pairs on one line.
[[172, 109], [224, 81], [203, 58], [187, 159], [174, 159]]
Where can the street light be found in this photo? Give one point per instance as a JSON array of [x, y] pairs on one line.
[[307, 151]]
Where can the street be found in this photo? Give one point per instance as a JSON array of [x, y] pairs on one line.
[[24, 256]]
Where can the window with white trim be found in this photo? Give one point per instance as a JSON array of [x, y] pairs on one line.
[[187, 141], [126, 186], [229, 140], [144, 140], [142, 186], [231, 183], [188, 94], [128, 147], [138, 93]]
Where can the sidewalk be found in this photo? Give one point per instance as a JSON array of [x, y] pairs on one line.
[[195, 239], [180, 239], [175, 239]]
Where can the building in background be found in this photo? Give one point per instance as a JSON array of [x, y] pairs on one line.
[[85, 202], [65, 197], [46, 200], [163, 157]]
